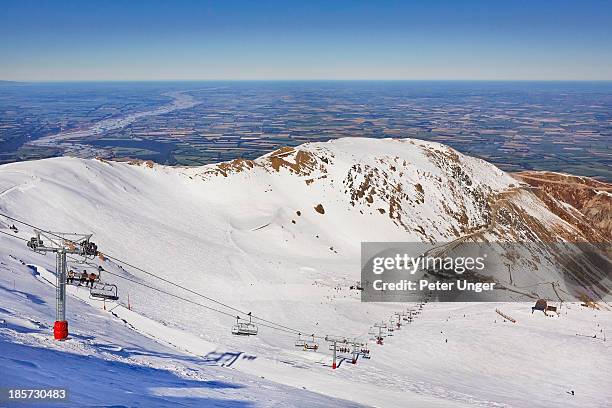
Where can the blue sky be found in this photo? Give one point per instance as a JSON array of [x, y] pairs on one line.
[[150, 40]]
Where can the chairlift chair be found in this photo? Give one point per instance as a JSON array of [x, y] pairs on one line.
[[311, 345], [34, 243], [89, 249], [104, 291], [244, 328], [75, 280]]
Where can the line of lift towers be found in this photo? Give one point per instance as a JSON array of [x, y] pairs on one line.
[[63, 244], [353, 349]]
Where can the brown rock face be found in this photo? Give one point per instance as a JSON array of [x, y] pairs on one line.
[[583, 202]]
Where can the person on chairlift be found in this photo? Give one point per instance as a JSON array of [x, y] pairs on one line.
[[70, 278], [84, 277], [92, 279]]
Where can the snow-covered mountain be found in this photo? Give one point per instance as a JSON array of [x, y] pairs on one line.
[[280, 236]]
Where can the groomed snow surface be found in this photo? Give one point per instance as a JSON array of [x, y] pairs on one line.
[[240, 240]]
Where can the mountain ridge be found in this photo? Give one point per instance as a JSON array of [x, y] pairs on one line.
[[281, 236]]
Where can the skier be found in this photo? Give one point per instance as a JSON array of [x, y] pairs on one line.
[[70, 279]]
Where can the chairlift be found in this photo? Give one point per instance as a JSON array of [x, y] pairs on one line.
[[299, 342], [34, 243], [89, 248], [244, 328], [76, 278], [104, 291], [14, 228], [311, 345], [98, 289]]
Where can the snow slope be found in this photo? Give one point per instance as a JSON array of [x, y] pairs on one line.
[[280, 236], [106, 362]]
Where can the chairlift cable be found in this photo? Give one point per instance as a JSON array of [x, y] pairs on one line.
[[266, 323], [280, 328], [174, 295], [261, 319], [198, 294], [13, 236], [177, 296]]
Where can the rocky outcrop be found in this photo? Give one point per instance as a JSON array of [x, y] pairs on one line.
[[583, 202]]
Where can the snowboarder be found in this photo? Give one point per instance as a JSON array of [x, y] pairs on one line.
[[84, 277]]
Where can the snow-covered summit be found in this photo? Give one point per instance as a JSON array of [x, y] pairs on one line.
[[317, 201], [280, 236]]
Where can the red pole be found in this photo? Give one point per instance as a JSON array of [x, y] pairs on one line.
[[334, 363]]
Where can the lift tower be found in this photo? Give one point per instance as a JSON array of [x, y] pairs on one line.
[[62, 243], [334, 347]]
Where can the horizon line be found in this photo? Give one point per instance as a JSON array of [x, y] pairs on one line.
[[305, 80]]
